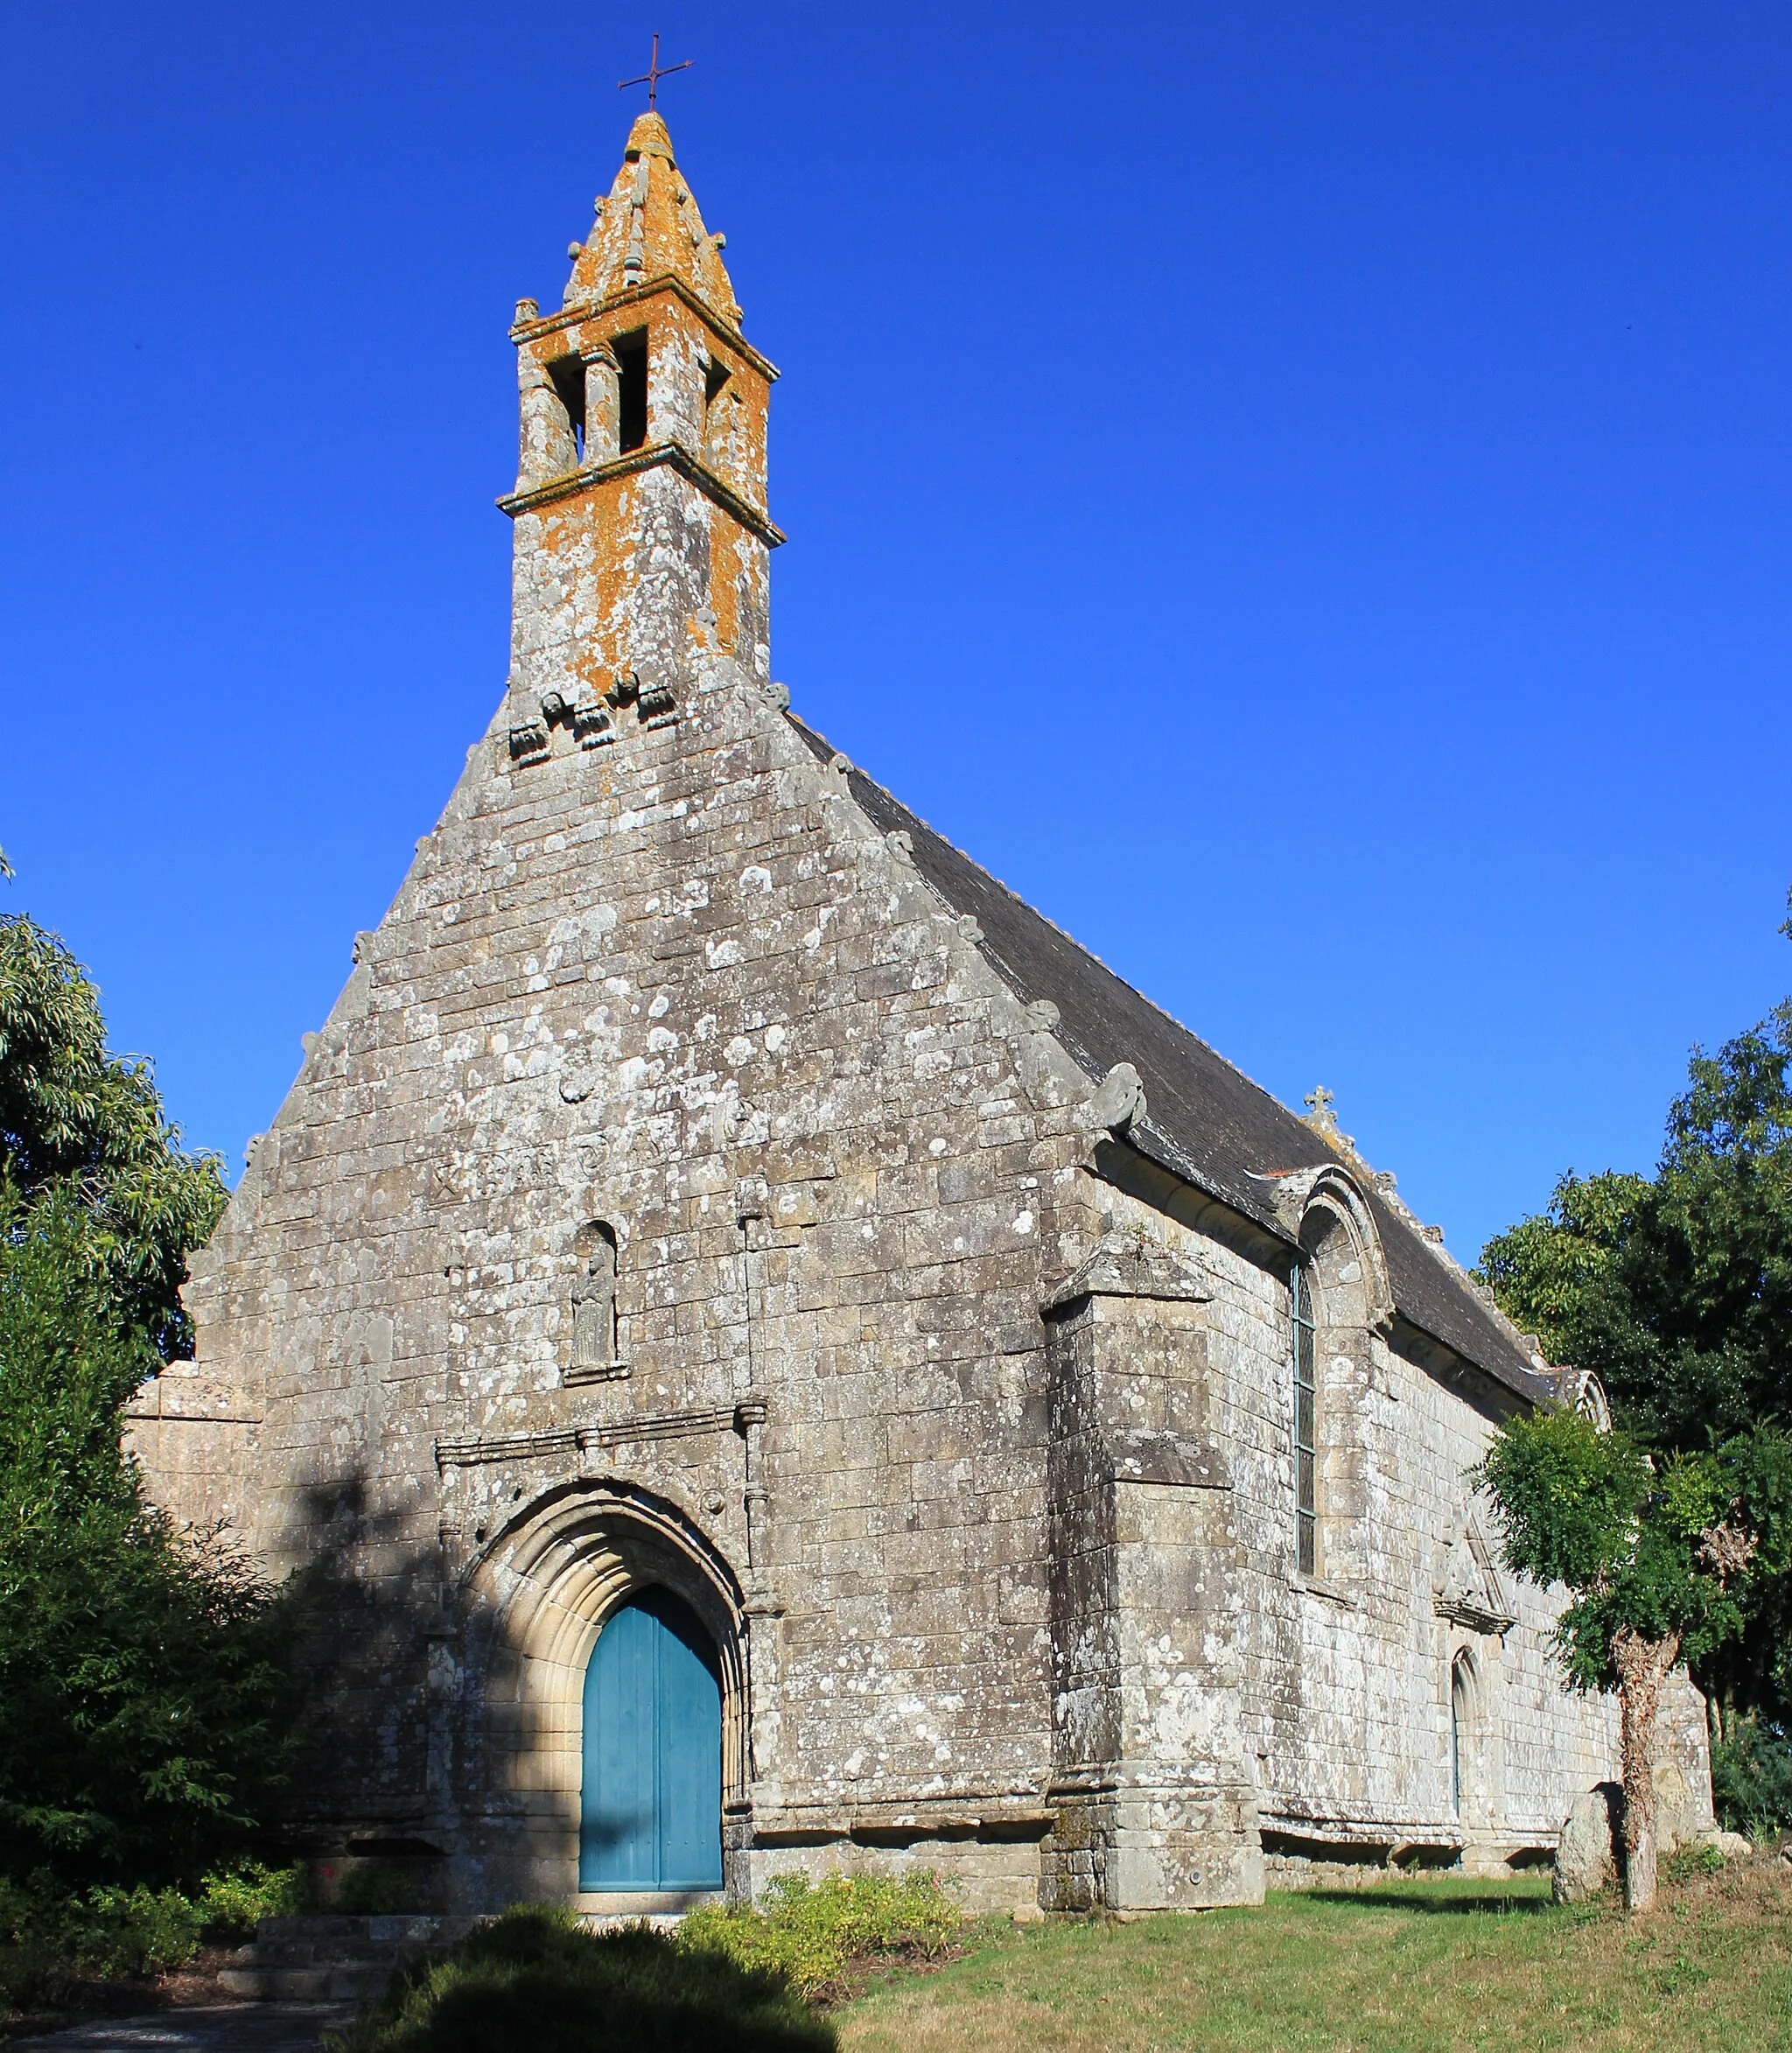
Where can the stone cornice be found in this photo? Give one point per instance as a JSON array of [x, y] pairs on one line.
[[675, 457], [570, 317], [1126, 1265], [968, 1814], [1287, 1817]]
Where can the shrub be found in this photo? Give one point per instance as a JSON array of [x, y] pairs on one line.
[[1751, 1779], [233, 1903], [117, 1931], [1696, 1860], [536, 1980], [808, 1931], [50, 1942]]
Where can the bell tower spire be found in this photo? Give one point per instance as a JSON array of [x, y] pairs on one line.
[[641, 538]]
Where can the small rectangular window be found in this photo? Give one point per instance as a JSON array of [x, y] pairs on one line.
[[632, 393], [568, 376], [1306, 1423]]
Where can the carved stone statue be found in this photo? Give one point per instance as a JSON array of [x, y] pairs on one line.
[[594, 1309]]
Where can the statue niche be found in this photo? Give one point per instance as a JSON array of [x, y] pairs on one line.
[[595, 1356]]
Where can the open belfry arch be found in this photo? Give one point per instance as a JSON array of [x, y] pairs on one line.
[[993, 1435]]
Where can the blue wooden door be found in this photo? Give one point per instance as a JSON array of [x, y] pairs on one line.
[[651, 1814]]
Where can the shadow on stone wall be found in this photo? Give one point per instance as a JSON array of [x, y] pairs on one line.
[[439, 1712], [366, 1608]]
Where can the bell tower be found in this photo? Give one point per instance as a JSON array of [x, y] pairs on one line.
[[641, 538]]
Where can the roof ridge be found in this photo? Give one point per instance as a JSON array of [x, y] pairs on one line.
[[1063, 933], [1212, 1123]]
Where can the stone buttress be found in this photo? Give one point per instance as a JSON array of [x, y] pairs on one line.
[[1153, 1788]]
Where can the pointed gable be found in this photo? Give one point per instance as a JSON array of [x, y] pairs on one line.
[[1470, 1590]]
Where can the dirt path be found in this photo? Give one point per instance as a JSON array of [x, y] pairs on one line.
[[221, 2027]]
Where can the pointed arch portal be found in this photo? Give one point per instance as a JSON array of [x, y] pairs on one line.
[[650, 1811]]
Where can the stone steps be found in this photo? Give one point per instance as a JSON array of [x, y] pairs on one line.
[[330, 1958]]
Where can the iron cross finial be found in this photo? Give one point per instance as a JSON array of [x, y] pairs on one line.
[[650, 78]]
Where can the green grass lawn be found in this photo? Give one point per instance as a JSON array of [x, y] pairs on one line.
[[1407, 1968]]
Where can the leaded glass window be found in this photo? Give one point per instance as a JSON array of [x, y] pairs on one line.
[[1305, 1421]]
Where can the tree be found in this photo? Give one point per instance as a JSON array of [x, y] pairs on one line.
[[1677, 1291], [86, 1127], [1652, 1559], [139, 1679], [1549, 1271], [139, 1683]]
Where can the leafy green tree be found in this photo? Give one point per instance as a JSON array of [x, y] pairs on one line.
[[1547, 1271], [1652, 1559], [87, 1126], [1677, 1291], [138, 1669], [139, 1684]]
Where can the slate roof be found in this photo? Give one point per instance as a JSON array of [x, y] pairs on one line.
[[1225, 1134]]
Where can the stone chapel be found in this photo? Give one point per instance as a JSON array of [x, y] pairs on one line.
[[769, 1356]]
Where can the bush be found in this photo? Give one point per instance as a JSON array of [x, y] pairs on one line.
[[51, 1943], [235, 1903], [808, 1931], [116, 1932], [1751, 1779], [536, 1980]]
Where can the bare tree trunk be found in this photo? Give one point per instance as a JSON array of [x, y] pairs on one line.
[[1642, 1664]]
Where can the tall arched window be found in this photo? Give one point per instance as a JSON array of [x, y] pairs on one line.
[[1305, 1424], [1461, 1706]]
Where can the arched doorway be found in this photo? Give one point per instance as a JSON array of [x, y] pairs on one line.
[[650, 1810]]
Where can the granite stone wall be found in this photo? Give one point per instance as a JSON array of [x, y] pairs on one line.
[[979, 1466]]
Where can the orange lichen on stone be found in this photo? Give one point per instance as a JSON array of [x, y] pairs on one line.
[[726, 551], [648, 226], [641, 532]]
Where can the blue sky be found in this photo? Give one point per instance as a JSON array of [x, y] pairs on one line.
[[1299, 492]]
